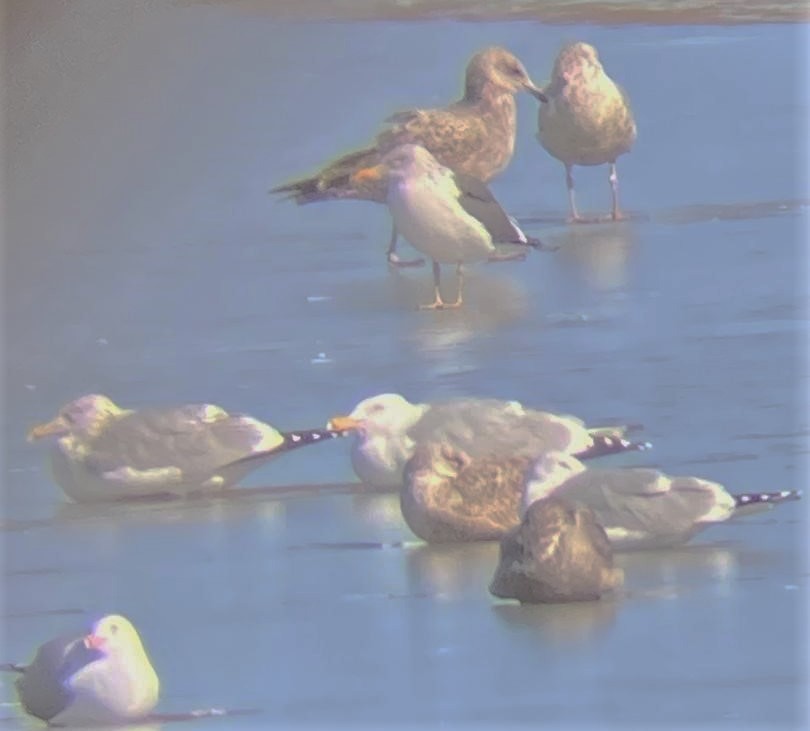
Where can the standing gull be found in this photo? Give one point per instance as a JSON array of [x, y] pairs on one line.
[[642, 508], [104, 677], [104, 452], [586, 118], [389, 428], [474, 136], [451, 217]]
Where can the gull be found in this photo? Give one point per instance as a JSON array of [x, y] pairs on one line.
[[104, 452], [642, 508], [104, 677], [388, 428], [451, 217], [559, 553], [585, 119], [474, 136]]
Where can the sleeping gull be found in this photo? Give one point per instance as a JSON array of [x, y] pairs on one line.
[[586, 118], [559, 553], [449, 497], [104, 677], [105, 452], [642, 508], [451, 217], [474, 136], [389, 427]]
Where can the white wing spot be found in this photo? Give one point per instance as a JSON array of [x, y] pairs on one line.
[[744, 498], [295, 437], [316, 436], [764, 497]]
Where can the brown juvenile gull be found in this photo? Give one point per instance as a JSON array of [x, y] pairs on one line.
[[586, 118], [474, 136], [104, 677], [451, 217], [388, 428], [559, 553], [104, 452], [642, 508], [447, 497]]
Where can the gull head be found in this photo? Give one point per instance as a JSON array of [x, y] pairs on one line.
[[576, 62], [85, 415], [547, 473], [112, 634], [387, 414], [497, 67]]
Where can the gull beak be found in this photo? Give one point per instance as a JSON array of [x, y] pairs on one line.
[[535, 91], [55, 427], [94, 642], [343, 423], [373, 174]]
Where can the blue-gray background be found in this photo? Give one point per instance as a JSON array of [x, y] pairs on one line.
[[144, 259]]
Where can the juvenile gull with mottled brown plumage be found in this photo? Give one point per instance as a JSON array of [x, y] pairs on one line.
[[586, 118], [474, 136], [558, 553], [104, 452]]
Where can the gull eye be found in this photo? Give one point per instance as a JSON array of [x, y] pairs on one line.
[[114, 629]]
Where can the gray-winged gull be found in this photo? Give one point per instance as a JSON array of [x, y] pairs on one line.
[[451, 217], [474, 136], [104, 452], [558, 553], [104, 677], [388, 428], [642, 508], [586, 118]]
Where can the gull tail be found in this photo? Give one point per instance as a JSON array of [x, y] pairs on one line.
[[755, 502], [605, 444], [333, 181]]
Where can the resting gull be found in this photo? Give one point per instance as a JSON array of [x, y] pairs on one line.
[[474, 136], [389, 427], [451, 217], [559, 553], [642, 508], [586, 118], [104, 452], [104, 677]]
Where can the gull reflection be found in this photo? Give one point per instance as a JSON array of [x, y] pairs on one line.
[[600, 253]]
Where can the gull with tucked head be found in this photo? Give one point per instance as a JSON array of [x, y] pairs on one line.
[[104, 452], [558, 553], [473, 136]]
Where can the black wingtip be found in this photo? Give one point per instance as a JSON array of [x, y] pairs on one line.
[[604, 445], [303, 437], [763, 498]]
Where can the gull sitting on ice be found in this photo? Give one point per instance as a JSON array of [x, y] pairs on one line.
[[642, 508], [558, 553], [453, 218], [104, 452], [388, 428], [104, 677], [474, 136]]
